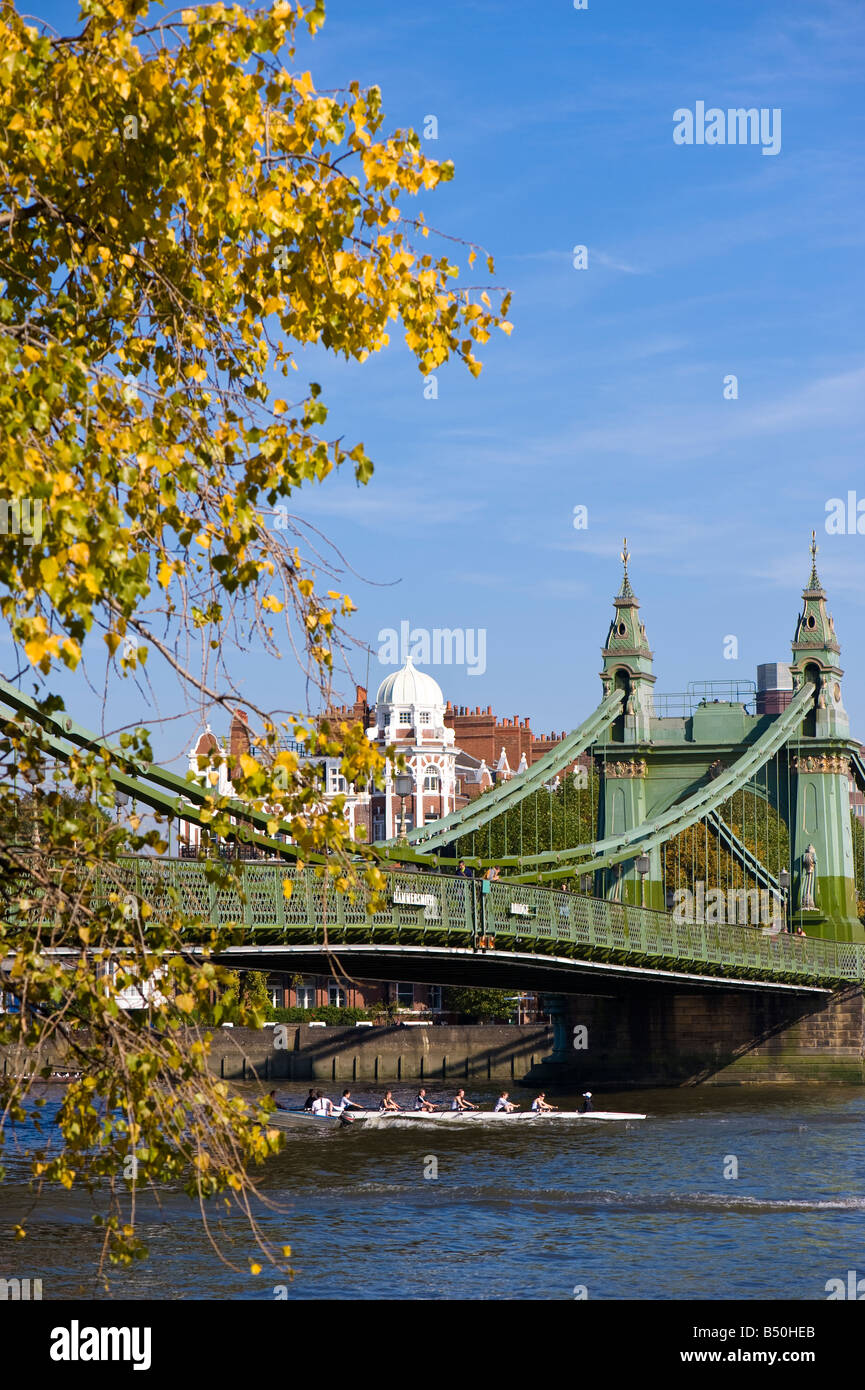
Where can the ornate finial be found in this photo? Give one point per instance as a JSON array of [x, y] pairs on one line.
[[626, 591], [814, 581]]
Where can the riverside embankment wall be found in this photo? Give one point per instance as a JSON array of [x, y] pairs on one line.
[[652, 1036], [298, 1052], [293, 1052]]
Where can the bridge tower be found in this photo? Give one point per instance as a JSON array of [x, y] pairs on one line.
[[824, 879], [622, 801]]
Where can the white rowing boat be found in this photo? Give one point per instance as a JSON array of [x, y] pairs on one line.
[[388, 1119]]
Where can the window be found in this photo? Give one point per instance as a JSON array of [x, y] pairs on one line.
[[378, 827], [305, 996], [405, 996], [336, 995], [425, 717], [405, 716], [435, 996], [432, 782]]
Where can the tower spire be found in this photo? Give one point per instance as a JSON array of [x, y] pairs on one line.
[[817, 655], [627, 655]]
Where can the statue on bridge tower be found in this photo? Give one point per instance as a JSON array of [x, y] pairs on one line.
[[809, 879]]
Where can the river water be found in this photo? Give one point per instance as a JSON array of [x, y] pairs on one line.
[[621, 1211]]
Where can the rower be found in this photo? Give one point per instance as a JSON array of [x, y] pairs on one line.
[[348, 1104], [307, 1104], [321, 1105], [540, 1106], [388, 1103], [421, 1102], [278, 1103], [587, 1103], [459, 1101], [503, 1104]]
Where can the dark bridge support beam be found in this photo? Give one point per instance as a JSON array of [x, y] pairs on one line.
[[679, 1036], [556, 1006]]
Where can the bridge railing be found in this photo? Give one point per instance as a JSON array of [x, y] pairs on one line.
[[547, 915], [273, 896]]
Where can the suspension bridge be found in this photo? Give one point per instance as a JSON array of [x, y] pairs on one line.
[[638, 808]]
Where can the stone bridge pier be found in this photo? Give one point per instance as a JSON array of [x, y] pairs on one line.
[[664, 1035]]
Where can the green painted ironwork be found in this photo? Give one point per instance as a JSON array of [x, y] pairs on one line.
[[178, 798], [442, 910], [616, 848], [472, 817], [741, 853]]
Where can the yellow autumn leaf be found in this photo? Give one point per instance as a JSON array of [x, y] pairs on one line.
[[35, 650]]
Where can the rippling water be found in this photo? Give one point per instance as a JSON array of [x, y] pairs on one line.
[[628, 1211]]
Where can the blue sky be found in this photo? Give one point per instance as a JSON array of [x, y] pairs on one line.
[[703, 261]]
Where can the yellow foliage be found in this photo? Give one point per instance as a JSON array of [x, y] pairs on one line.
[[183, 191]]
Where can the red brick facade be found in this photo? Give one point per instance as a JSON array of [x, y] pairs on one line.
[[482, 735]]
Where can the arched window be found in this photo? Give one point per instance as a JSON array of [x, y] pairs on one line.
[[432, 781]]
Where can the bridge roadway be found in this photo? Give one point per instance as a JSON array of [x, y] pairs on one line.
[[444, 929]]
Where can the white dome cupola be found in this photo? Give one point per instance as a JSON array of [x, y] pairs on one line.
[[410, 698], [409, 686], [410, 716]]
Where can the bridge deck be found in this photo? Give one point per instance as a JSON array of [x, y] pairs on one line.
[[442, 911]]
